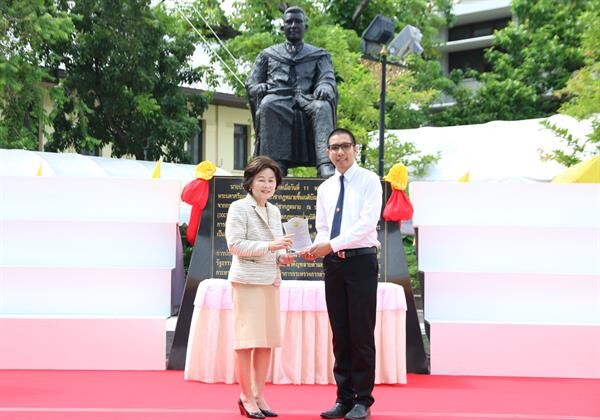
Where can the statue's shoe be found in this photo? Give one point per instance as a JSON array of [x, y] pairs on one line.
[[326, 170]]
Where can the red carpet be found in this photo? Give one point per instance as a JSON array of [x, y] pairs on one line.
[[42, 395]]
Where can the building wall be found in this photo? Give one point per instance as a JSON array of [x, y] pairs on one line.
[[219, 122], [469, 12]]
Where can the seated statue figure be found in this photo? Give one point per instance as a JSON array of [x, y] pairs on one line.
[[293, 99]]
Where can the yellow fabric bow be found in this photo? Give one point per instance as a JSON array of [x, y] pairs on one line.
[[397, 176], [205, 170]]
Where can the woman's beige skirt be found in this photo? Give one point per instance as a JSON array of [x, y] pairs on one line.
[[256, 316]]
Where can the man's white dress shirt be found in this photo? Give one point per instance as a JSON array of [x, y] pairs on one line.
[[362, 209]]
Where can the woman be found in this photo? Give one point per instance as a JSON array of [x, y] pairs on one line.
[[256, 241]]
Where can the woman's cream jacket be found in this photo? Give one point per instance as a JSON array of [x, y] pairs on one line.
[[248, 235]]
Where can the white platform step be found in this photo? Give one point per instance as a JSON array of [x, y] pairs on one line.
[[513, 297], [87, 244], [81, 199], [517, 349], [91, 343], [509, 250], [85, 291], [509, 204]]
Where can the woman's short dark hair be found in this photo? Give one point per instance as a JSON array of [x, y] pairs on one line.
[[255, 166]]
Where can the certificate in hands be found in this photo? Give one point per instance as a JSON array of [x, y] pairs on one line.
[[299, 228]]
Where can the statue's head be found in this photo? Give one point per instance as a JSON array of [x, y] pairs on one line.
[[295, 24]]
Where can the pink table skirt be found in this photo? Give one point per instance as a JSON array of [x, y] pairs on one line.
[[305, 356]]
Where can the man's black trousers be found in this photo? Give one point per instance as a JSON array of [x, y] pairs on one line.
[[351, 295]]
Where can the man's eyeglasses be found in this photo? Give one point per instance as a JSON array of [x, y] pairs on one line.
[[344, 146]]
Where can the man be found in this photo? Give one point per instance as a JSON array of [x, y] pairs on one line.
[[348, 210], [293, 99]]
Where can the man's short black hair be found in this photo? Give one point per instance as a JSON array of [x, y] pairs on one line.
[[340, 130]]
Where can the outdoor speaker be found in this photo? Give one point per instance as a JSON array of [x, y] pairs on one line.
[[380, 30], [408, 40]]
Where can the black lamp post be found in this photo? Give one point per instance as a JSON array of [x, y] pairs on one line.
[[374, 39], [384, 54], [374, 44]]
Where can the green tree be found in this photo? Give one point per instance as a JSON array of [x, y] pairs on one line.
[[583, 88], [532, 59], [123, 73], [30, 32], [399, 151], [583, 91]]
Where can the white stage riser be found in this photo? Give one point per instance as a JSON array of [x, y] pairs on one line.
[[85, 291], [87, 244], [509, 250], [512, 297], [484, 204], [81, 199], [531, 350], [82, 343]]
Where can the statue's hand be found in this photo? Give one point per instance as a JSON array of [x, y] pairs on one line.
[[323, 93], [258, 90]]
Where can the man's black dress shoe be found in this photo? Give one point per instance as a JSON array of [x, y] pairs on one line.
[[358, 412], [338, 411], [268, 413], [249, 414]]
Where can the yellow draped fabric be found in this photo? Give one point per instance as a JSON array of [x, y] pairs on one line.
[[465, 177], [156, 171], [587, 171]]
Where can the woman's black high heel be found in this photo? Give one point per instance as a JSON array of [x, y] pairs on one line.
[[268, 413], [249, 414]]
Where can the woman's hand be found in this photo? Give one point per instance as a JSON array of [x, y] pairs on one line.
[[284, 242], [286, 259]]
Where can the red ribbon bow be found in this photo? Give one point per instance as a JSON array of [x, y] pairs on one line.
[[196, 194]]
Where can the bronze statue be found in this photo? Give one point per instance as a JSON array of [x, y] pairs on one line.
[[293, 99]]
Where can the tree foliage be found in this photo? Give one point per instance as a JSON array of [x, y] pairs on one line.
[[532, 60], [30, 32], [583, 91], [583, 88], [123, 73], [399, 151]]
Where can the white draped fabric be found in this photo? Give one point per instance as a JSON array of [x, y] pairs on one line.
[[306, 355]]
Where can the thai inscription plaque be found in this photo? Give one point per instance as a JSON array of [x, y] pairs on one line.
[[295, 197]]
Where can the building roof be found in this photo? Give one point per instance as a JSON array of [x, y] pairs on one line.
[[219, 98]]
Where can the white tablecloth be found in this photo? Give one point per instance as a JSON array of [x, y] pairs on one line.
[[305, 356]]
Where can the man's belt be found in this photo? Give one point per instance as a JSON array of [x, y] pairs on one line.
[[349, 253]]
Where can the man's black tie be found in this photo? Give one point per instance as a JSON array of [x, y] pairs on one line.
[[339, 207]]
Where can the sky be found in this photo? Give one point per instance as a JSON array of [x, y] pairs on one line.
[[201, 55]]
